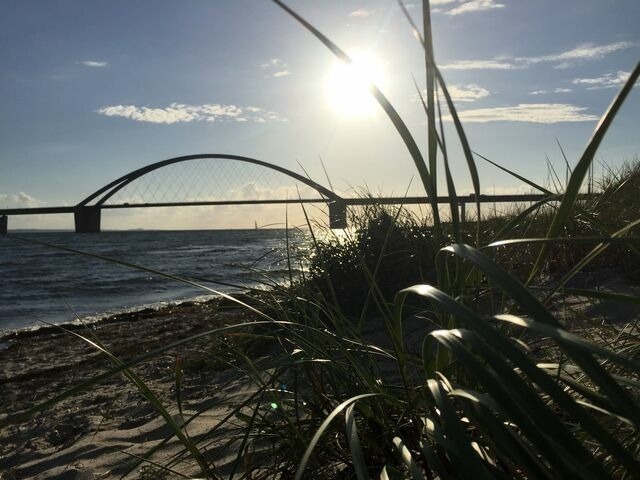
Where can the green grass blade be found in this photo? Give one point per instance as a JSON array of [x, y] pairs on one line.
[[468, 460], [562, 337], [506, 444], [523, 406], [514, 174], [462, 136], [355, 448], [582, 168], [323, 428], [502, 344], [510, 285], [155, 402], [407, 459], [430, 74], [388, 108], [517, 220]]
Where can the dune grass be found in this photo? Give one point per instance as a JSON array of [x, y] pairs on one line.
[[460, 366]]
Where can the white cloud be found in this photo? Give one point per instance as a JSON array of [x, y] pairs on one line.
[[272, 62], [361, 13], [564, 59], [275, 67], [609, 80], [474, 6], [584, 52], [496, 64], [555, 90], [467, 93], [441, 2], [93, 63], [528, 112], [19, 200], [177, 113], [463, 93]]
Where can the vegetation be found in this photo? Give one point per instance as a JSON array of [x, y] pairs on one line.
[[461, 366]]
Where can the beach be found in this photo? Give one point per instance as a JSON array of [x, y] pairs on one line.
[[98, 433]]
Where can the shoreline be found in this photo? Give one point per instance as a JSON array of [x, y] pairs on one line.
[[126, 314], [91, 434]]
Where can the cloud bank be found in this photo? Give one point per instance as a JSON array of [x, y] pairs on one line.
[[568, 58], [182, 113], [529, 113]]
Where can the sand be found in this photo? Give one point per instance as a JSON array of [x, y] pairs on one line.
[[94, 434]]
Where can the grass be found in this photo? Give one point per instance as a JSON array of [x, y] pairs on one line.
[[461, 366]]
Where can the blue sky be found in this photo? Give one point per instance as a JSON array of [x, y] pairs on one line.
[[91, 90]]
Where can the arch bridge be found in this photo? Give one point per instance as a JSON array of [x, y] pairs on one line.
[[131, 191], [88, 212]]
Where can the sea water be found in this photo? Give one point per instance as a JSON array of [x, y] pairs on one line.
[[41, 284]]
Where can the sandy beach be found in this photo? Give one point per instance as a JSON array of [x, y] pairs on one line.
[[99, 433]]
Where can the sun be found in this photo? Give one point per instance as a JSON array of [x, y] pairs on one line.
[[347, 85]]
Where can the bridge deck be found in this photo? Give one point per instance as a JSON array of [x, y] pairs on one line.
[[348, 201]]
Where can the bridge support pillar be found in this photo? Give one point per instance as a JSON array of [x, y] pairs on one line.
[[337, 214], [4, 221], [87, 219]]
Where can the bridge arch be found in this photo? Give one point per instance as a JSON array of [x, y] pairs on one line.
[[88, 211], [118, 184]]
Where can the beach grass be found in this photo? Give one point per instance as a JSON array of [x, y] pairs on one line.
[[419, 348]]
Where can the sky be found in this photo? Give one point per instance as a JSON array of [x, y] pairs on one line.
[[91, 90]]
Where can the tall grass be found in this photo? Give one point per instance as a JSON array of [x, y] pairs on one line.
[[442, 378]]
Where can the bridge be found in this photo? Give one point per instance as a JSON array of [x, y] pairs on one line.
[[160, 185]]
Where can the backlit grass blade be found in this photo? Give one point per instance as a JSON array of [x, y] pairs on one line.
[[514, 174], [146, 392], [467, 461], [507, 445], [391, 112], [355, 448], [590, 256], [440, 138], [556, 444], [407, 459], [517, 220], [603, 295], [509, 284], [500, 343], [430, 78], [562, 337], [323, 428], [582, 168], [462, 136]]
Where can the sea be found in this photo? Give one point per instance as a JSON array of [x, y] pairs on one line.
[[43, 282]]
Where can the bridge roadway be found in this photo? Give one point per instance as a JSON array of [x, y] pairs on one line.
[[87, 218]]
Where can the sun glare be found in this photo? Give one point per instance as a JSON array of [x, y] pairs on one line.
[[347, 85]]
